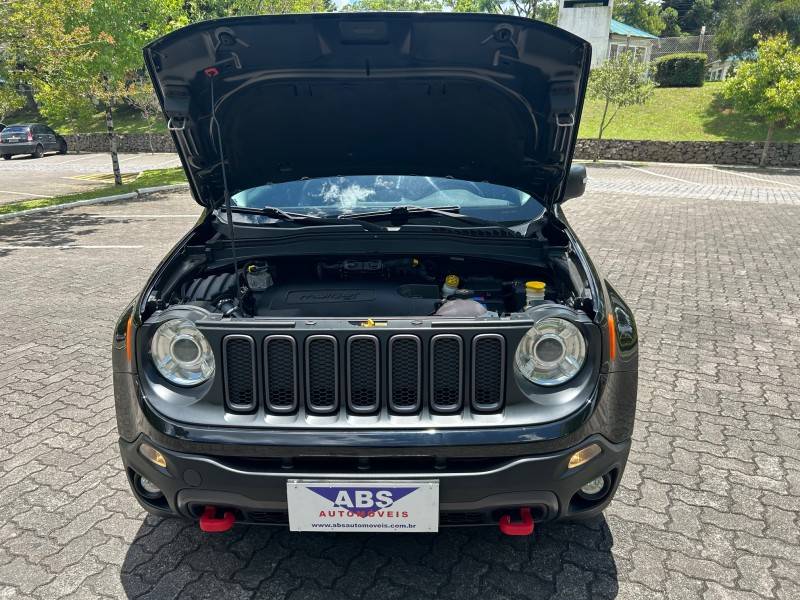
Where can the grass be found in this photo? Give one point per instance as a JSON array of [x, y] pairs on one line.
[[680, 114], [126, 120], [152, 178], [673, 114]]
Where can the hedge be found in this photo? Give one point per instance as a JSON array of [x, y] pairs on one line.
[[680, 70]]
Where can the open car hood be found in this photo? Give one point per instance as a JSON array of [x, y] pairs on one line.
[[469, 96]]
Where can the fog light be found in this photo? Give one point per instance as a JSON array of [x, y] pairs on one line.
[[596, 489], [593, 488], [581, 457], [153, 455], [149, 487]]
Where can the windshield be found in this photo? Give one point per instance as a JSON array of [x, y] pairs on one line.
[[333, 196]]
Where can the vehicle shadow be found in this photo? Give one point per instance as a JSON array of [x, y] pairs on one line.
[[173, 558]]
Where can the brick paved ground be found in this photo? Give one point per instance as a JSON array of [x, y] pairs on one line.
[[708, 506], [23, 177]]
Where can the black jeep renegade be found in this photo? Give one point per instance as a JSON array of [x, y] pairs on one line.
[[382, 320]]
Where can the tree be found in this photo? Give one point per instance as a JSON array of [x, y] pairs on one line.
[[532, 9], [700, 14], [742, 20], [79, 54], [543, 10], [548, 12], [768, 87], [644, 14], [672, 26], [693, 14], [200, 10], [141, 96], [273, 7], [619, 82], [10, 100], [370, 5]]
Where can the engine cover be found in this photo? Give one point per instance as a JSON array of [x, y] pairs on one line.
[[347, 299]]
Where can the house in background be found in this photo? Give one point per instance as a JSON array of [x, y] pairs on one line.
[[720, 68], [623, 37]]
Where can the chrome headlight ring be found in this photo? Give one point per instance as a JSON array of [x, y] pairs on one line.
[[181, 353], [551, 352]]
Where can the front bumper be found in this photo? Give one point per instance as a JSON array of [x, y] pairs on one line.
[[471, 491], [25, 148]]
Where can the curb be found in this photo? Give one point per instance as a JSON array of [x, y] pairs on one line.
[[642, 163], [135, 195]]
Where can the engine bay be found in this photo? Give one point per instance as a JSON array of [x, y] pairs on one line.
[[363, 287]]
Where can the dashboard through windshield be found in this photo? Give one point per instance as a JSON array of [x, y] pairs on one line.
[[351, 195]]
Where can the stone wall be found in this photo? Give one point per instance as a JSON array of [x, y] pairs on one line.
[[126, 142], [719, 153]]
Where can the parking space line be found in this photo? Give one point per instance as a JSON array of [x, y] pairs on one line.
[[661, 175], [166, 162], [115, 216], [24, 194], [791, 185], [134, 157], [66, 162], [73, 179], [70, 247]]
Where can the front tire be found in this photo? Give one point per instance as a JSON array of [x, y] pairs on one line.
[[7, 156], [62, 147], [39, 152]]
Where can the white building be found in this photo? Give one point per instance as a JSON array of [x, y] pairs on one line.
[[591, 20]]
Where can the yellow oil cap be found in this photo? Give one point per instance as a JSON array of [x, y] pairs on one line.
[[452, 281], [535, 285]]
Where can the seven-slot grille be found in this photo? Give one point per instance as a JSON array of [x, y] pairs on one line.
[[280, 373], [363, 374], [322, 374], [447, 373], [488, 371], [239, 359], [405, 374], [376, 374]]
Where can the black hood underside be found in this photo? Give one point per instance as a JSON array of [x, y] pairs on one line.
[[470, 96]]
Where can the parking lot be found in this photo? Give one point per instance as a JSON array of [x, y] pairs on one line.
[[709, 259], [24, 178]]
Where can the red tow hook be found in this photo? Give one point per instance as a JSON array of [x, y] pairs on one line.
[[523, 527], [211, 524]]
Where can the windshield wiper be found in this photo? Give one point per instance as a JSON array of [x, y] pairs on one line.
[[301, 219], [401, 214]]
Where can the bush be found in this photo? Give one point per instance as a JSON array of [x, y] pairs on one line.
[[680, 70]]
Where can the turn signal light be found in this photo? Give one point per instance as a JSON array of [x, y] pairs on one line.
[[153, 455], [612, 338], [129, 339], [584, 455]]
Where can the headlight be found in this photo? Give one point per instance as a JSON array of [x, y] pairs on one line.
[[551, 352], [181, 353]]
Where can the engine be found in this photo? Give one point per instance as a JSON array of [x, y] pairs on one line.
[[376, 287]]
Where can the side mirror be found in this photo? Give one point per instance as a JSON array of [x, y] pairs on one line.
[[576, 182]]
